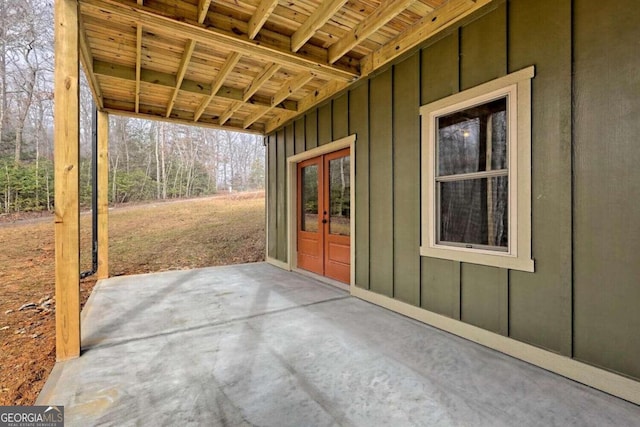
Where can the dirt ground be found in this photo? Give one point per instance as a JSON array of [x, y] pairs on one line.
[[159, 236]]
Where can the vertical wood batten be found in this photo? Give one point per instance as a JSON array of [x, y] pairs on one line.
[[483, 53], [311, 130], [606, 186], [406, 181], [272, 190], [359, 125], [67, 161], [540, 303], [381, 181], [103, 195], [281, 199], [324, 124], [299, 135], [340, 119], [440, 281]]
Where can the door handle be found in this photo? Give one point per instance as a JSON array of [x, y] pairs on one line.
[[324, 221]]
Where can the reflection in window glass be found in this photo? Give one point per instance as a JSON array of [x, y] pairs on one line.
[[473, 140], [473, 210], [309, 183], [339, 197]]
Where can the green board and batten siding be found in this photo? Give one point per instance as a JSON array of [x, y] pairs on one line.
[[607, 185], [582, 299]]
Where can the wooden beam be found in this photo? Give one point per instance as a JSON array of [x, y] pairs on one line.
[[285, 91], [138, 63], [168, 80], [317, 19], [203, 8], [383, 14], [250, 90], [443, 17], [306, 103], [103, 195], [138, 59], [87, 63], [182, 69], [213, 37], [235, 106], [216, 84], [291, 86], [182, 120], [66, 178], [260, 79], [262, 13]]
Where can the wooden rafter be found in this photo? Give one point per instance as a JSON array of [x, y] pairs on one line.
[[87, 63], [250, 90], [217, 83], [203, 8], [383, 14], [447, 15], [309, 101], [213, 37], [138, 59], [138, 64], [264, 43], [182, 69], [260, 79], [317, 19], [290, 86], [235, 106], [168, 80], [264, 9]]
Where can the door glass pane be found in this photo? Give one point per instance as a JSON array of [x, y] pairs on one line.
[[339, 197], [310, 198], [474, 212]]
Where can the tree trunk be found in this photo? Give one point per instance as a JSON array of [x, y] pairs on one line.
[[3, 67], [158, 180], [164, 166]]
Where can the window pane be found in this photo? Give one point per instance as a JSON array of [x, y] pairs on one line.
[[474, 211], [473, 140], [310, 198], [339, 197]]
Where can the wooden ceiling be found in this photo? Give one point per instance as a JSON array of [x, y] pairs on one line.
[[245, 65]]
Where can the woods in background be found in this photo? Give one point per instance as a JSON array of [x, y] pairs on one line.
[[147, 160]]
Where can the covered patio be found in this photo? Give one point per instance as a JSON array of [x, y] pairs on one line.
[[255, 345]]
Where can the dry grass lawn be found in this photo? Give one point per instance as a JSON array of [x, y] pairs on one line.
[[145, 238]]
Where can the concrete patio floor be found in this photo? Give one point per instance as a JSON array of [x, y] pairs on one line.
[[254, 345]]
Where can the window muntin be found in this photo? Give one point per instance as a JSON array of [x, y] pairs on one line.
[[476, 174]]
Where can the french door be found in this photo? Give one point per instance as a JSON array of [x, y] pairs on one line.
[[324, 215]]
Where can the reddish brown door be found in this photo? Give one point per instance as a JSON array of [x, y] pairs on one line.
[[324, 215]]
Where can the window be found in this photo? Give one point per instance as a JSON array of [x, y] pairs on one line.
[[476, 171]]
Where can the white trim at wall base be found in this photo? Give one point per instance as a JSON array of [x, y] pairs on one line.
[[600, 379], [278, 263]]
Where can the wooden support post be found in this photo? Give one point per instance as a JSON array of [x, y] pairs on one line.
[[67, 162], [103, 195]]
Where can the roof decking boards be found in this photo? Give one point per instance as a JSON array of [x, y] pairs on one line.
[[247, 65]]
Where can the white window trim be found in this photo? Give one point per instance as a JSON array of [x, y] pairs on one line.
[[517, 86]]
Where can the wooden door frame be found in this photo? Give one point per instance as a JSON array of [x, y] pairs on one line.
[[292, 200]]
